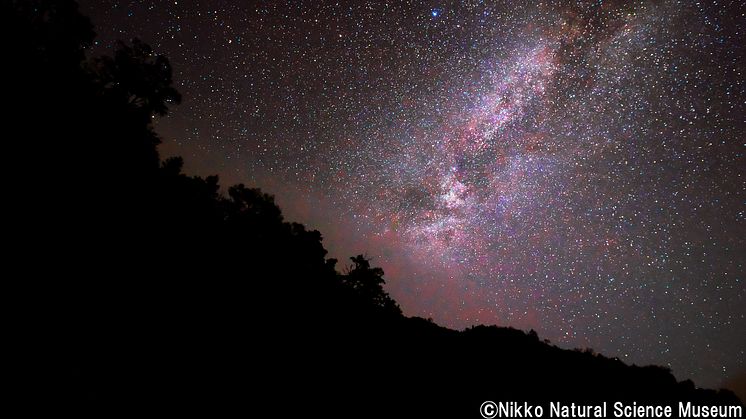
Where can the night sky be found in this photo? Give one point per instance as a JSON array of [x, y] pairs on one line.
[[575, 168]]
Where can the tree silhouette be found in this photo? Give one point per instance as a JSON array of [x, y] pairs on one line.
[[137, 75], [367, 284]]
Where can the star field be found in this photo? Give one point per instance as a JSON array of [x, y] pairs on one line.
[[572, 167]]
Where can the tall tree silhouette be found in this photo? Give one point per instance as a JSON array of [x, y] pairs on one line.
[[367, 283], [138, 75]]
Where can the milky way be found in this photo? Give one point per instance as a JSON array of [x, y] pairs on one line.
[[575, 167]]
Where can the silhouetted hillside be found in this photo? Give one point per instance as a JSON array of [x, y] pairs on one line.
[[153, 293]]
